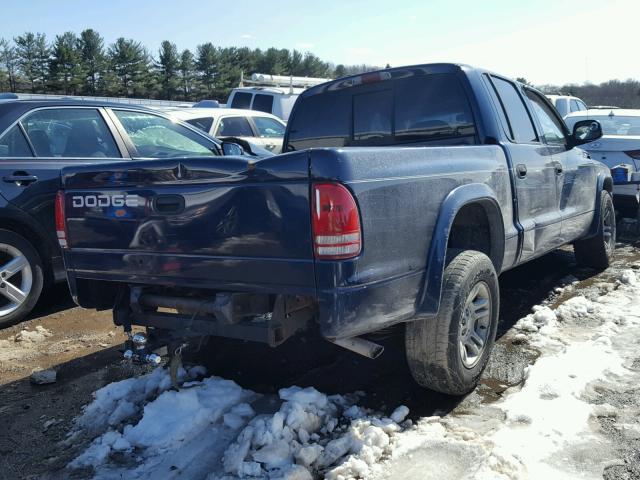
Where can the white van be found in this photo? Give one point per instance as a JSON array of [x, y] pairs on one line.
[[275, 94]]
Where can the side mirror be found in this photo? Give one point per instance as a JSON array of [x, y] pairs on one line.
[[586, 131], [230, 148]]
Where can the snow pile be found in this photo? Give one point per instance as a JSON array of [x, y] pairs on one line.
[[32, 336], [310, 433], [546, 428], [308, 430]]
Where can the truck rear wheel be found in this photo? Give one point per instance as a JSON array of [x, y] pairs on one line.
[[448, 353], [597, 252]]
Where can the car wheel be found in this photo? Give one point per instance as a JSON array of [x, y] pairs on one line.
[[21, 277], [597, 252], [448, 353]]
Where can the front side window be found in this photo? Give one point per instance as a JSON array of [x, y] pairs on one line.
[[552, 130], [203, 124], [241, 100], [519, 123], [234, 127], [13, 144], [268, 127], [263, 103], [158, 137], [70, 133]]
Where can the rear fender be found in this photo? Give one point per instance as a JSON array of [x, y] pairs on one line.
[[429, 298]]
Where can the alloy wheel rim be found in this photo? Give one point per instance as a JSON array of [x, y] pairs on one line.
[[475, 325], [608, 228], [16, 279]]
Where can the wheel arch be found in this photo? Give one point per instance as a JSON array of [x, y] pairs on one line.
[[33, 233], [463, 210]]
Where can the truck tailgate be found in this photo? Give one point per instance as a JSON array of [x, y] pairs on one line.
[[202, 223]]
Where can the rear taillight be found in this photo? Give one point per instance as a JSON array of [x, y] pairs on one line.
[[336, 222], [635, 154], [61, 227]]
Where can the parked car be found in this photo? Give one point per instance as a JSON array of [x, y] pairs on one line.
[[260, 128], [403, 194], [620, 144], [566, 104], [38, 139]]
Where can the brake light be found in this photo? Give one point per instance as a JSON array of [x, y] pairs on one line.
[[336, 222], [61, 227], [635, 154]]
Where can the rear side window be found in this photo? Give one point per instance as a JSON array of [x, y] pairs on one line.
[[234, 127], [415, 108], [13, 144], [263, 103], [158, 137], [203, 124], [519, 124], [71, 133], [241, 100]]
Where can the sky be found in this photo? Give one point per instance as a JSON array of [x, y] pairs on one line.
[[544, 41]]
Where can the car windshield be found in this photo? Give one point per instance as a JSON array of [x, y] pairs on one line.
[[612, 124]]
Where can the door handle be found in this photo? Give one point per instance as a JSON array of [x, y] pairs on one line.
[[20, 178], [521, 169], [558, 168]]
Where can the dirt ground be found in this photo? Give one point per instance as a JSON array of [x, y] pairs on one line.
[[82, 346]]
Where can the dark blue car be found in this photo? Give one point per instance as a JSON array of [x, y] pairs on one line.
[[40, 137]]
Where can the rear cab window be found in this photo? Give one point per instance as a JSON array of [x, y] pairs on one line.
[[412, 108]]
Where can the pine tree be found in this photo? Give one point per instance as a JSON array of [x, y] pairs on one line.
[[93, 60], [168, 67], [9, 62], [26, 52], [207, 66], [130, 63], [187, 72], [66, 71], [42, 60]]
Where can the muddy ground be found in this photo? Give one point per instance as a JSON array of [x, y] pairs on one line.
[[83, 347]]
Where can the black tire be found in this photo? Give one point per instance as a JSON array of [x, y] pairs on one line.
[[434, 347], [597, 251], [11, 240]]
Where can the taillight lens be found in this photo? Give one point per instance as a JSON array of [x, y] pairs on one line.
[[61, 227], [336, 222], [635, 154]]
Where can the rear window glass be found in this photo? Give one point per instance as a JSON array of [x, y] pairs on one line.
[[262, 103], [241, 100], [13, 144], [420, 108], [203, 124]]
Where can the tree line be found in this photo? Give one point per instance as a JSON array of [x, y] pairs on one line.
[[85, 65], [617, 93]]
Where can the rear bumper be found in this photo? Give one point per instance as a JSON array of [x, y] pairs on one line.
[[339, 312]]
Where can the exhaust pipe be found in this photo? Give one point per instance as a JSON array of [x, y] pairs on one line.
[[361, 346]]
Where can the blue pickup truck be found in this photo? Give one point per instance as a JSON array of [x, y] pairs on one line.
[[401, 196]]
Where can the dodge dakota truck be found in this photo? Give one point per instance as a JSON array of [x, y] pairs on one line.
[[401, 196]]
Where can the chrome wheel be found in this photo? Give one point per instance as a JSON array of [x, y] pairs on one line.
[[609, 228], [475, 324], [16, 279]]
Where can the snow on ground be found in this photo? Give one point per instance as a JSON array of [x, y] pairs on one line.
[[547, 428]]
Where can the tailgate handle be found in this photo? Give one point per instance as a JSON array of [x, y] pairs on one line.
[[168, 204]]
